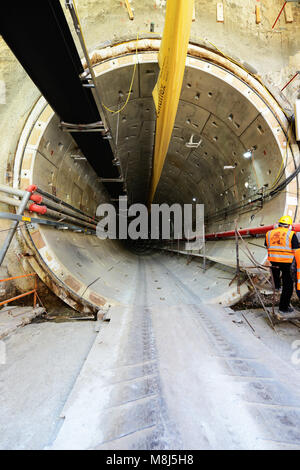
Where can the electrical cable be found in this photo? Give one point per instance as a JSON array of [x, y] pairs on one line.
[[10, 228], [131, 84]]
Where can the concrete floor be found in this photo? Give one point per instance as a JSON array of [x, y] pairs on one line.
[[43, 362], [168, 371]]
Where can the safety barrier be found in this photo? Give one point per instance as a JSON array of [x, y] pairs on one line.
[[33, 291]]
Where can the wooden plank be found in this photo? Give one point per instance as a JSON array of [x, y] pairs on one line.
[[130, 13], [258, 14], [220, 13], [288, 13]]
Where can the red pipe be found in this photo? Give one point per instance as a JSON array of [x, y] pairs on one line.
[[38, 209], [36, 198], [290, 81], [246, 231], [31, 188]]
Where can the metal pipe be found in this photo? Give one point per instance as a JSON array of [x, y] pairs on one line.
[[68, 209], [14, 226], [50, 212], [17, 297], [17, 203], [60, 215], [10, 201], [60, 208], [246, 231], [60, 201], [46, 221], [10, 190]]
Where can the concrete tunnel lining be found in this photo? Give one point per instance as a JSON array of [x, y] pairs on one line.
[[88, 273]]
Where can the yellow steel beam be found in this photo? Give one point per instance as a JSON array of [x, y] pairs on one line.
[[166, 94], [130, 13]]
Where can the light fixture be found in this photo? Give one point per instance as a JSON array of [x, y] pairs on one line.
[[248, 154], [191, 144], [194, 199]]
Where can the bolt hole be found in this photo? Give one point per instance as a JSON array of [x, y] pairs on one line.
[[260, 130]]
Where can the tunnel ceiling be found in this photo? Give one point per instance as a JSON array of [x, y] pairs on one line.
[[213, 112]]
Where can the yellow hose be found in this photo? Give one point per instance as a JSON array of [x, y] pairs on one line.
[[131, 84]]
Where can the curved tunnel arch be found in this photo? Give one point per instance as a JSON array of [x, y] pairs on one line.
[[220, 104]]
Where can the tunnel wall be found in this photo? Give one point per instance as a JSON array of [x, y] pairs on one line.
[[89, 273], [272, 55]]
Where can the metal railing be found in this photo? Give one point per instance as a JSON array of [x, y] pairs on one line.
[[33, 291]]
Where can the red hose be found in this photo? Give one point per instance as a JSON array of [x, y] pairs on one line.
[[36, 198], [279, 15], [31, 188], [246, 231]]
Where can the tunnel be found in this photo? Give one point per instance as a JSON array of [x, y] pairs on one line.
[[146, 344], [222, 108]]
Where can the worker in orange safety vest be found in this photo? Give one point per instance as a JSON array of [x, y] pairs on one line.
[[281, 243]]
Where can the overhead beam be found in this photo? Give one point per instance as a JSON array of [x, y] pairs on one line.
[[40, 38]]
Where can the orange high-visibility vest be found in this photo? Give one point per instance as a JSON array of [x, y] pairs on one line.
[[279, 244], [297, 258]]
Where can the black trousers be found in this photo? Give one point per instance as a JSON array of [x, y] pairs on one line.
[[281, 272]]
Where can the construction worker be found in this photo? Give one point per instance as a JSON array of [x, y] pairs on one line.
[[281, 243]]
